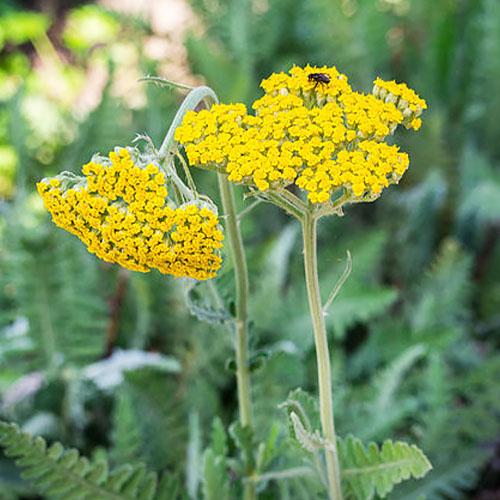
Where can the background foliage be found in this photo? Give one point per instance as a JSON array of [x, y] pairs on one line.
[[114, 364]]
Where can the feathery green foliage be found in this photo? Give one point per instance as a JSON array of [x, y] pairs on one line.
[[365, 471], [414, 331], [63, 473], [215, 479], [45, 268], [372, 470]]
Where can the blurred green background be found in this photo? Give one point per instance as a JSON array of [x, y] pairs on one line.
[[115, 362]]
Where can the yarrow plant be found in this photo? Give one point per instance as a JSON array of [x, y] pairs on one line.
[[312, 146], [310, 130]]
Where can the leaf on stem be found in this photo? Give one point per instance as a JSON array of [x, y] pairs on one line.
[[163, 82], [340, 283], [373, 470]]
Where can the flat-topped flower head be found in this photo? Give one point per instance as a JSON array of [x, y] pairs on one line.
[[310, 129], [121, 211]]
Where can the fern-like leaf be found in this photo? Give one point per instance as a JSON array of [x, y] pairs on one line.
[[450, 480], [371, 470], [63, 473], [126, 433], [215, 478], [216, 484], [444, 293], [202, 308]]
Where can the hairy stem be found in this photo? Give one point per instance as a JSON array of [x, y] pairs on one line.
[[309, 223], [241, 327], [192, 100]]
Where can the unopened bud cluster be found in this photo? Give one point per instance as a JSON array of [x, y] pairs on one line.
[[405, 99]]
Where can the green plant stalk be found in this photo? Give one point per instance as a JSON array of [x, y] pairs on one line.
[[241, 324], [192, 100], [309, 225]]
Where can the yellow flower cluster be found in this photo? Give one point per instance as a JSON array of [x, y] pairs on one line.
[[405, 98], [121, 212], [309, 129]]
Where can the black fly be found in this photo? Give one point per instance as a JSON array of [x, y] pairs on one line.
[[318, 78]]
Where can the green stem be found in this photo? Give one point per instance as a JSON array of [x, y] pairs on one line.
[[187, 173], [284, 204], [192, 100], [309, 224], [241, 341]]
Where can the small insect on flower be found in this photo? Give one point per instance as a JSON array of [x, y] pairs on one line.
[[318, 78]]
